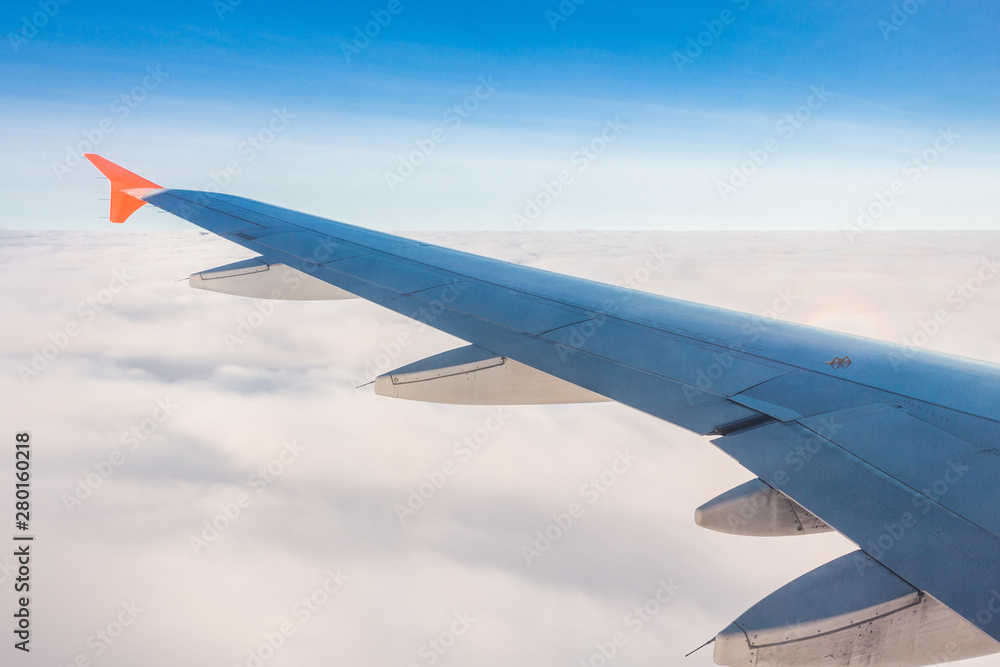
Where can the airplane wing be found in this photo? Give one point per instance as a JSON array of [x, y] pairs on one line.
[[894, 448]]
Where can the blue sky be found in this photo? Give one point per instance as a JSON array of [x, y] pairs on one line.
[[893, 76]]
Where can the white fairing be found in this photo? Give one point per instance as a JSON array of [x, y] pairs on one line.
[[754, 508], [473, 376], [259, 280], [851, 612]]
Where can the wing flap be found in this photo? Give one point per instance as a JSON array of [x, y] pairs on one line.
[[940, 466], [805, 393], [936, 551]]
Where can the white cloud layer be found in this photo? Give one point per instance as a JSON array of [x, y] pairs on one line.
[[331, 509]]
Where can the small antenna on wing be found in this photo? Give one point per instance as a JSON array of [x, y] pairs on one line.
[[700, 647], [365, 384]]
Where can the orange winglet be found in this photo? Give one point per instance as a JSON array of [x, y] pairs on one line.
[[122, 204]]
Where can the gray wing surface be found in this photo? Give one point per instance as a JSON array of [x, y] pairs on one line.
[[863, 445]]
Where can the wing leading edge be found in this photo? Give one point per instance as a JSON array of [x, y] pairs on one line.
[[859, 445]]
